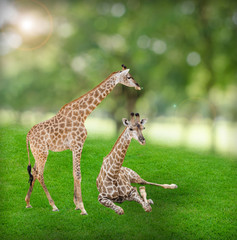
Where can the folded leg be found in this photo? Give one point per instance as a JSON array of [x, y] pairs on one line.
[[143, 194], [108, 203], [134, 196], [135, 178]]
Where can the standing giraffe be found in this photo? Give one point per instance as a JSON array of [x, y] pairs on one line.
[[114, 181], [66, 130]]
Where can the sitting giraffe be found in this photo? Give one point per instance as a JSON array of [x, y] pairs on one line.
[[114, 181], [66, 130]]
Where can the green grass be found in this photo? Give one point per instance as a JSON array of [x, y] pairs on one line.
[[203, 207]]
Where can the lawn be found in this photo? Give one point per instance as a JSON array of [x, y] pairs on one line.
[[203, 206]]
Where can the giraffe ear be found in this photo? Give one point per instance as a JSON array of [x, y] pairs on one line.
[[143, 121], [125, 122], [124, 72]]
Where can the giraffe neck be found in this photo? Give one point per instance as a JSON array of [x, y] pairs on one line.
[[89, 101], [116, 157]]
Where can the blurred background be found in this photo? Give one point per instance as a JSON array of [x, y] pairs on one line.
[[183, 54]]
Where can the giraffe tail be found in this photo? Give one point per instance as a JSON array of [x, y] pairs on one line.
[[29, 166]]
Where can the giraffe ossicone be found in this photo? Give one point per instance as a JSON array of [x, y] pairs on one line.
[[114, 180], [66, 130]]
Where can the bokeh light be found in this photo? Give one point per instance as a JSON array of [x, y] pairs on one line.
[[27, 24], [24, 28], [143, 41], [118, 10], [193, 59], [159, 46]]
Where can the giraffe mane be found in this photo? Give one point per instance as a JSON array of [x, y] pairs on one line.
[[116, 142], [87, 92]]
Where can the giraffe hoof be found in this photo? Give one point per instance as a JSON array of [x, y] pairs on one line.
[[119, 211], [29, 206], [173, 186], [150, 201], [55, 209], [84, 213], [148, 208]]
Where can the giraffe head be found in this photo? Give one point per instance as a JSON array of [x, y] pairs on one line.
[[135, 127], [126, 78]]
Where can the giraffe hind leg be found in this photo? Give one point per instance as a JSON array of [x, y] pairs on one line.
[[134, 196], [51, 202], [38, 170], [144, 194], [135, 178], [27, 198]]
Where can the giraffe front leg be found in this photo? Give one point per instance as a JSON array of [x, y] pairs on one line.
[[134, 196], [77, 181], [108, 203]]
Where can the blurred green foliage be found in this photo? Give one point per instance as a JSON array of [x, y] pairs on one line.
[[176, 50]]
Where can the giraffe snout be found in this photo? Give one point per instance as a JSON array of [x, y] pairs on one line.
[[142, 140], [137, 87]]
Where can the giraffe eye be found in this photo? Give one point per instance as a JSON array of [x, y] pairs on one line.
[[129, 77], [130, 129]]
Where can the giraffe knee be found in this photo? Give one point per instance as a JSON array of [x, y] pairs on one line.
[[134, 190], [102, 199], [40, 177], [34, 173]]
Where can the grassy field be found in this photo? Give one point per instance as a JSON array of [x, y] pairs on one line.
[[203, 207]]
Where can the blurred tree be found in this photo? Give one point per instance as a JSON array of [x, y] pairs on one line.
[[175, 50]]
